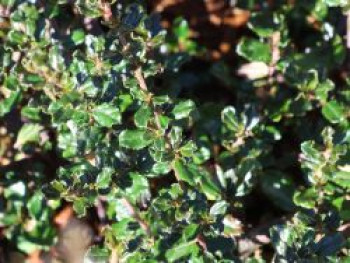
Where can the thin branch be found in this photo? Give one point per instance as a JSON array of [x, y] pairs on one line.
[[143, 86], [140, 79], [136, 215], [114, 257]]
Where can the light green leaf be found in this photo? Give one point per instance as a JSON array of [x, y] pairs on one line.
[[306, 199], [311, 154], [97, 255], [175, 136], [219, 208], [183, 109], [7, 104], [135, 139], [104, 178], [161, 168], [107, 115], [333, 112], [142, 116], [254, 50], [79, 207], [188, 149], [181, 251], [335, 3], [17, 37], [35, 205], [28, 133], [78, 37], [342, 178], [182, 172], [229, 118], [210, 189]]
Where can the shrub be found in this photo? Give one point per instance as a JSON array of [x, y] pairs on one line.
[[94, 92]]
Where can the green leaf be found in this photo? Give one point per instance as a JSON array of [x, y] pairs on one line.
[[97, 255], [104, 178], [182, 172], [210, 189], [78, 36], [35, 205], [190, 232], [79, 207], [135, 139], [8, 104], [254, 50], [161, 168], [229, 118], [121, 230], [182, 251], [188, 149], [12, 82], [311, 154], [28, 133], [58, 186], [33, 79], [306, 198], [342, 178], [181, 28], [323, 89], [219, 208], [333, 112], [17, 37], [31, 113], [16, 189], [107, 115], [183, 109], [175, 136], [335, 3], [139, 189], [142, 116]]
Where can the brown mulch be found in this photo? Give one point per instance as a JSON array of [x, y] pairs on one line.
[[215, 23]]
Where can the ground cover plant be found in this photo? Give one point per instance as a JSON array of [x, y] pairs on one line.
[[167, 155]]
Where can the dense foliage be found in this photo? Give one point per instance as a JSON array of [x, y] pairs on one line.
[[99, 107]]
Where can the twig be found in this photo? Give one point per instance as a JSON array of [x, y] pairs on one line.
[[114, 257], [274, 42], [143, 86], [140, 79], [345, 230], [136, 215]]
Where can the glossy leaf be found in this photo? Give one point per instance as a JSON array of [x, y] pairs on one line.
[[135, 139], [107, 115], [254, 50]]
